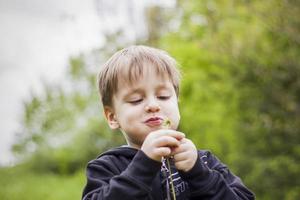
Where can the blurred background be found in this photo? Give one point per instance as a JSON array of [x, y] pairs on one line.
[[240, 94]]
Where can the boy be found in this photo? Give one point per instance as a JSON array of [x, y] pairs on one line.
[[139, 89]]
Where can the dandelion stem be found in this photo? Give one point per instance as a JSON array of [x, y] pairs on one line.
[[167, 125]]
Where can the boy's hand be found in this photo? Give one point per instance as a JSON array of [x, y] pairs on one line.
[[185, 155], [160, 143]]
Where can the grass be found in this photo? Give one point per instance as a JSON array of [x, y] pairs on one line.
[[22, 184]]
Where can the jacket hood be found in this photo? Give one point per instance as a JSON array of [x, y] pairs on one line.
[[125, 151]]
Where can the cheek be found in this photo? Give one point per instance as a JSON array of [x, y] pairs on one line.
[[173, 112], [173, 106], [176, 115], [128, 114], [175, 119]]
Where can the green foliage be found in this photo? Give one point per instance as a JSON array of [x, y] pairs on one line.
[[17, 183], [207, 99], [255, 55], [239, 98], [64, 128]]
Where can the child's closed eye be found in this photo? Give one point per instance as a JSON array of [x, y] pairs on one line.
[[135, 101], [164, 97]]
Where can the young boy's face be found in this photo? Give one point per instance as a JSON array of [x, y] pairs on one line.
[[141, 107]]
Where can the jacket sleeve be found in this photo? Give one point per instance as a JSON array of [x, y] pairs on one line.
[[209, 179], [106, 182]]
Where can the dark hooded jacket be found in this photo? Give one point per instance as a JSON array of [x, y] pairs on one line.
[[125, 173]]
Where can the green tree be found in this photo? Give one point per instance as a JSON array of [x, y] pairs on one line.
[[239, 95], [63, 128], [269, 104], [244, 58]]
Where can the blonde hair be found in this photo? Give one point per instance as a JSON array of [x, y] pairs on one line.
[[129, 64]]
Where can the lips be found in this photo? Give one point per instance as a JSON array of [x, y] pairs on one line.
[[154, 121]]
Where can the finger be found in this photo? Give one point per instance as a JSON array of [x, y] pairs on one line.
[[181, 156], [176, 150], [167, 141], [176, 134], [185, 165], [181, 148], [181, 165], [162, 151], [185, 141]]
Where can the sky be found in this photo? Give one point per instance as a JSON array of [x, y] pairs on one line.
[[37, 39]]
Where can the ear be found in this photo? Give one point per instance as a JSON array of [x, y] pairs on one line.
[[111, 117]]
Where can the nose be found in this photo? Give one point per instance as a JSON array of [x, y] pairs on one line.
[[152, 106]]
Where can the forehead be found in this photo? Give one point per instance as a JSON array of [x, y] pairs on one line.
[[149, 77], [135, 71]]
